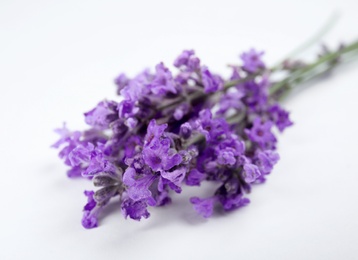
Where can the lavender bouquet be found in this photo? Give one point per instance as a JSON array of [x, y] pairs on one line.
[[169, 129]]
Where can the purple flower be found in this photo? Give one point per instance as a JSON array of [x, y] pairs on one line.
[[91, 211], [127, 108], [256, 94], [154, 132], [97, 165], [116, 141], [168, 129], [230, 194], [260, 133], [65, 135], [157, 153], [80, 155], [212, 129], [131, 122], [234, 202], [252, 60], [72, 139], [163, 199], [194, 64], [186, 130], [102, 115], [74, 172], [91, 159], [231, 100], [89, 220], [251, 172], [203, 207], [232, 144], [280, 117], [163, 82], [121, 81], [176, 177], [194, 178], [188, 61], [266, 160], [226, 156], [138, 186], [134, 209], [235, 73], [160, 156], [212, 83], [180, 111], [137, 88], [164, 183], [183, 58]]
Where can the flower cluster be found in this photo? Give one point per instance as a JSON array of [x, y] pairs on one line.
[[168, 130]]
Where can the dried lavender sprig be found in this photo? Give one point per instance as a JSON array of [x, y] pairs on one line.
[[184, 129]]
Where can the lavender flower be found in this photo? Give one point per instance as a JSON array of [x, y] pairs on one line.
[[261, 134], [134, 209], [102, 115], [211, 82], [171, 130], [194, 178], [163, 82], [204, 207], [252, 61], [280, 117], [90, 211], [187, 61], [138, 186], [251, 172], [121, 81]]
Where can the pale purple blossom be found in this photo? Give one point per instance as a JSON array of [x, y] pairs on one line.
[[252, 60]]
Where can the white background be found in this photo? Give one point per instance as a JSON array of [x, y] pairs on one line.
[[59, 58]]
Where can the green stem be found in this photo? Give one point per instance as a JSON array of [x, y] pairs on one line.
[[324, 60], [316, 37]]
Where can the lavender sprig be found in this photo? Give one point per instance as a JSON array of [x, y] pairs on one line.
[[166, 131]]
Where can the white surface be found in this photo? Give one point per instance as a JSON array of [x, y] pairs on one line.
[[58, 59]]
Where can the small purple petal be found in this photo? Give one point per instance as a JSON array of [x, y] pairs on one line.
[[194, 178], [204, 207], [212, 83], [251, 172], [134, 209], [252, 60]]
